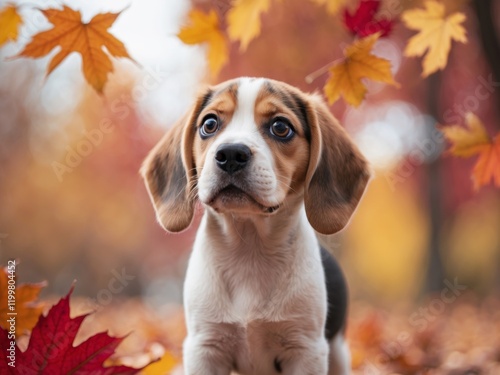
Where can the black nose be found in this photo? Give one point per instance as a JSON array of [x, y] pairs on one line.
[[231, 157]]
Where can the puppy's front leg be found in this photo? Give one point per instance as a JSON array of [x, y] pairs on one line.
[[310, 359], [209, 352]]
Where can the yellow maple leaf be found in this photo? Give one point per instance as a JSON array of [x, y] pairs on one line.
[[10, 20], [205, 28], [26, 308], [346, 75], [88, 39], [244, 20], [436, 31], [332, 6], [469, 140], [473, 140]]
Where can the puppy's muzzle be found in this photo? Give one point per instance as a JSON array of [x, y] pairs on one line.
[[232, 157]]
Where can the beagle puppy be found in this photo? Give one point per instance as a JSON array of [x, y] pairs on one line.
[[270, 165]]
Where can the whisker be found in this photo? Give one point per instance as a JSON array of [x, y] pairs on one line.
[[282, 179]]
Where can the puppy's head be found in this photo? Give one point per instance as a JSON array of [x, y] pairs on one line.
[[250, 146]]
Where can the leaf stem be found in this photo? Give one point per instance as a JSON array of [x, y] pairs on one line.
[[310, 78]]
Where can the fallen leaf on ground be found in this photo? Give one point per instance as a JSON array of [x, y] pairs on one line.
[[473, 140], [346, 75], [73, 35], [205, 28], [26, 308], [11, 20], [51, 351], [436, 31], [166, 364]]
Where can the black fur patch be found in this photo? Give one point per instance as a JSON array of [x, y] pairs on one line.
[[336, 290], [277, 365]]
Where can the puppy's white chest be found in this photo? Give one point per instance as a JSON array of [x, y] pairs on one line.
[[244, 304], [250, 303]]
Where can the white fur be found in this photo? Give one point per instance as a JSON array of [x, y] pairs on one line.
[[245, 298], [255, 289], [242, 129], [340, 356]]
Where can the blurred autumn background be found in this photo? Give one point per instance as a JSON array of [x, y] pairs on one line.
[[422, 253]]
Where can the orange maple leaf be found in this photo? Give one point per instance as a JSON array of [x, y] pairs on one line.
[[26, 308], [73, 35], [10, 21], [205, 28], [487, 167], [473, 140]]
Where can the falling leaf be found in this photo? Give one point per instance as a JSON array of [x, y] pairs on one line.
[[487, 167], [26, 308], [345, 75], [73, 35], [10, 20], [467, 141], [473, 140], [205, 28], [51, 351], [436, 31], [244, 20], [363, 23], [332, 6]]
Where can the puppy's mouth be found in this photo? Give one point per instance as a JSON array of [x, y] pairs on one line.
[[233, 198]]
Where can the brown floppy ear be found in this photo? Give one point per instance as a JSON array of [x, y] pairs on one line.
[[170, 174], [337, 174]]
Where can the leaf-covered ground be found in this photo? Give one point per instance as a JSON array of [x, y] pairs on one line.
[[462, 337], [447, 333]]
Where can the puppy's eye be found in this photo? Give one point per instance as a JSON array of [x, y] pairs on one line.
[[281, 129], [209, 127]]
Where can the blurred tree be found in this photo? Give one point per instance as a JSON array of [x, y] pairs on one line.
[[486, 12], [435, 187]]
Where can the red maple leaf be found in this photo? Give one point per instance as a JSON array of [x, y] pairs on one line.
[[51, 350], [362, 23]]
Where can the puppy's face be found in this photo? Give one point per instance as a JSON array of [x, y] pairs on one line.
[[250, 145]]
